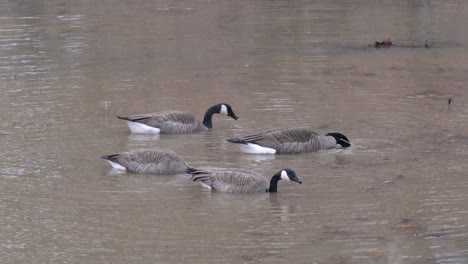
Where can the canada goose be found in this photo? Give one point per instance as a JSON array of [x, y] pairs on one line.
[[240, 180], [150, 161], [175, 122], [289, 141]]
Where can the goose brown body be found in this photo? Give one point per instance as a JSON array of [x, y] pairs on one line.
[[238, 180], [289, 140], [150, 161], [169, 121], [175, 122]]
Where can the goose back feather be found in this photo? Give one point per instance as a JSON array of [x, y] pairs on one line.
[[237, 180], [232, 180], [175, 122], [289, 140], [169, 121], [150, 161]]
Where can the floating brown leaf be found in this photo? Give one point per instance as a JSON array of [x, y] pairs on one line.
[[404, 225]]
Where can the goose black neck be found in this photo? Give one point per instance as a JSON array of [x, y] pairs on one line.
[[208, 116], [274, 183]]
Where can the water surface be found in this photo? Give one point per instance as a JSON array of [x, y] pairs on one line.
[[398, 196]]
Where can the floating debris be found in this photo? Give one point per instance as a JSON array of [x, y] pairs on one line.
[[399, 177], [386, 43], [380, 186], [383, 44], [397, 68], [376, 254], [428, 95], [401, 226], [173, 8], [405, 223]]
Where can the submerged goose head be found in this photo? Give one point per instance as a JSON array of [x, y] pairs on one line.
[[340, 139]]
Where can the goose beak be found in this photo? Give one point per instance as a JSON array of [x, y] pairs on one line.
[[296, 179], [234, 116]]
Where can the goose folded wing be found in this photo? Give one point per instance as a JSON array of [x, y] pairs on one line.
[[178, 116], [238, 181], [159, 119], [275, 137]]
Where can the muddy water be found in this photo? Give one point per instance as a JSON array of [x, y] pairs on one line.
[[397, 196]]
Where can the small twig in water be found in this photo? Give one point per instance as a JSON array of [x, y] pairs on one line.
[[106, 106]]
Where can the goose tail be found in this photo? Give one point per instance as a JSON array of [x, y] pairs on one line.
[[190, 170], [111, 157], [202, 177], [197, 174], [195, 171], [124, 118], [236, 141]]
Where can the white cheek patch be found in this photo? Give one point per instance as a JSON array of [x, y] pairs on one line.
[[223, 110], [284, 175]]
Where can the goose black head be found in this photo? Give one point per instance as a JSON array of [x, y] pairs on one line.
[[340, 139], [289, 175], [226, 109]]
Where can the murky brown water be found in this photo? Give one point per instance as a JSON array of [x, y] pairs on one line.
[[68, 68]]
